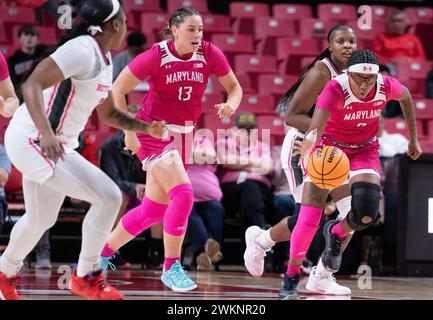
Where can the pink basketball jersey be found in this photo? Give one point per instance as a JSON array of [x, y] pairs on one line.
[[353, 121], [177, 84]]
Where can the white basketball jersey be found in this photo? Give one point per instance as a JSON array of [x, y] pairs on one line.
[[69, 104], [332, 70]]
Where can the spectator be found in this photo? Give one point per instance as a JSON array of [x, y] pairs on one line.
[[245, 163], [396, 44], [137, 43], [392, 108], [30, 51], [205, 224], [126, 171], [5, 171]]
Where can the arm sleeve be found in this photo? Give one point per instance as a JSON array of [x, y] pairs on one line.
[[74, 58], [145, 63], [4, 71], [331, 97], [393, 88], [220, 66]]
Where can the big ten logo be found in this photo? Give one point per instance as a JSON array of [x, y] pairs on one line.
[[66, 272], [65, 19], [365, 19], [365, 277]]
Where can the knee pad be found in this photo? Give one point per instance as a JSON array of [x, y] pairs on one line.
[[149, 213], [177, 214], [365, 205], [291, 221]]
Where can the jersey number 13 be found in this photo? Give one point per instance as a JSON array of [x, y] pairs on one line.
[[185, 93]]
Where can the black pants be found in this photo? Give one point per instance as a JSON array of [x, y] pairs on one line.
[[251, 199], [3, 209]]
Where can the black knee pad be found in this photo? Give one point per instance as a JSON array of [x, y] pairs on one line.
[[365, 203], [291, 221]]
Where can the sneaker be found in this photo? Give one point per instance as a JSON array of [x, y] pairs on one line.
[[94, 286], [8, 290], [254, 255], [176, 279], [325, 284], [289, 287], [204, 262], [331, 256], [213, 250], [105, 262]]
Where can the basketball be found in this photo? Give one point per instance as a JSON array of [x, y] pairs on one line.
[[328, 167]]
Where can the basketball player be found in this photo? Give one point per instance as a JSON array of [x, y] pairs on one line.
[[8, 99], [177, 71], [298, 103], [347, 113], [60, 94]]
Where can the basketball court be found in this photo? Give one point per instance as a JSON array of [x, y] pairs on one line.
[[223, 285]]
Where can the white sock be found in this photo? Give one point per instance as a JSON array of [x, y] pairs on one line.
[[321, 270], [265, 241], [10, 267]]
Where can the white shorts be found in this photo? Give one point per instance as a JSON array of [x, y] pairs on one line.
[[25, 154], [293, 168]]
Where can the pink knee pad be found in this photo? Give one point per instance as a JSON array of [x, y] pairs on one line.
[[305, 229], [177, 214], [144, 216]]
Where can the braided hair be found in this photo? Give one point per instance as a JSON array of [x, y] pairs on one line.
[[284, 101], [362, 56], [177, 18]]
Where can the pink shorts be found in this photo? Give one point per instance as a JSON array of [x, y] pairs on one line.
[[154, 150], [363, 158]]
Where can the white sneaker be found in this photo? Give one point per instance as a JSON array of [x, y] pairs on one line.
[[325, 284], [254, 255]]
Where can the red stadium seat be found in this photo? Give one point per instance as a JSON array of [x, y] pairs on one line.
[[141, 6], [424, 31], [153, 22], [427, 146], [245, 12], [215, 23], [213, 123], [248, 9], [413, 75], [232, 44], [292, 11], [416, 15], [246, 83], [275, 124], [267, 29], [47, 35], [199, 5], [8, 50], [380, 12], [291, 50], [14, 186], [275, 84], [309, 28], [17, 15], [254, 65], [336, 12], [209, 101], [368, 34], [257, 103], [393, 125], [423, 108]]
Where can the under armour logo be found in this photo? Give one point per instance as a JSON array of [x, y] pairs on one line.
[[367, 68]]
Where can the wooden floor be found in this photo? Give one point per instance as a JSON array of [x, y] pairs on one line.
[[223, 285]]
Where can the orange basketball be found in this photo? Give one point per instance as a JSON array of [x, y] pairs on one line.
[[328, 167]]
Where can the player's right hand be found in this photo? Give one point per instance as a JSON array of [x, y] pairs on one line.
[[52, 147], [131, 142]]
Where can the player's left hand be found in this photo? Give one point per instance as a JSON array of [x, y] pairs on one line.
[[224, 110], [414, 149]]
